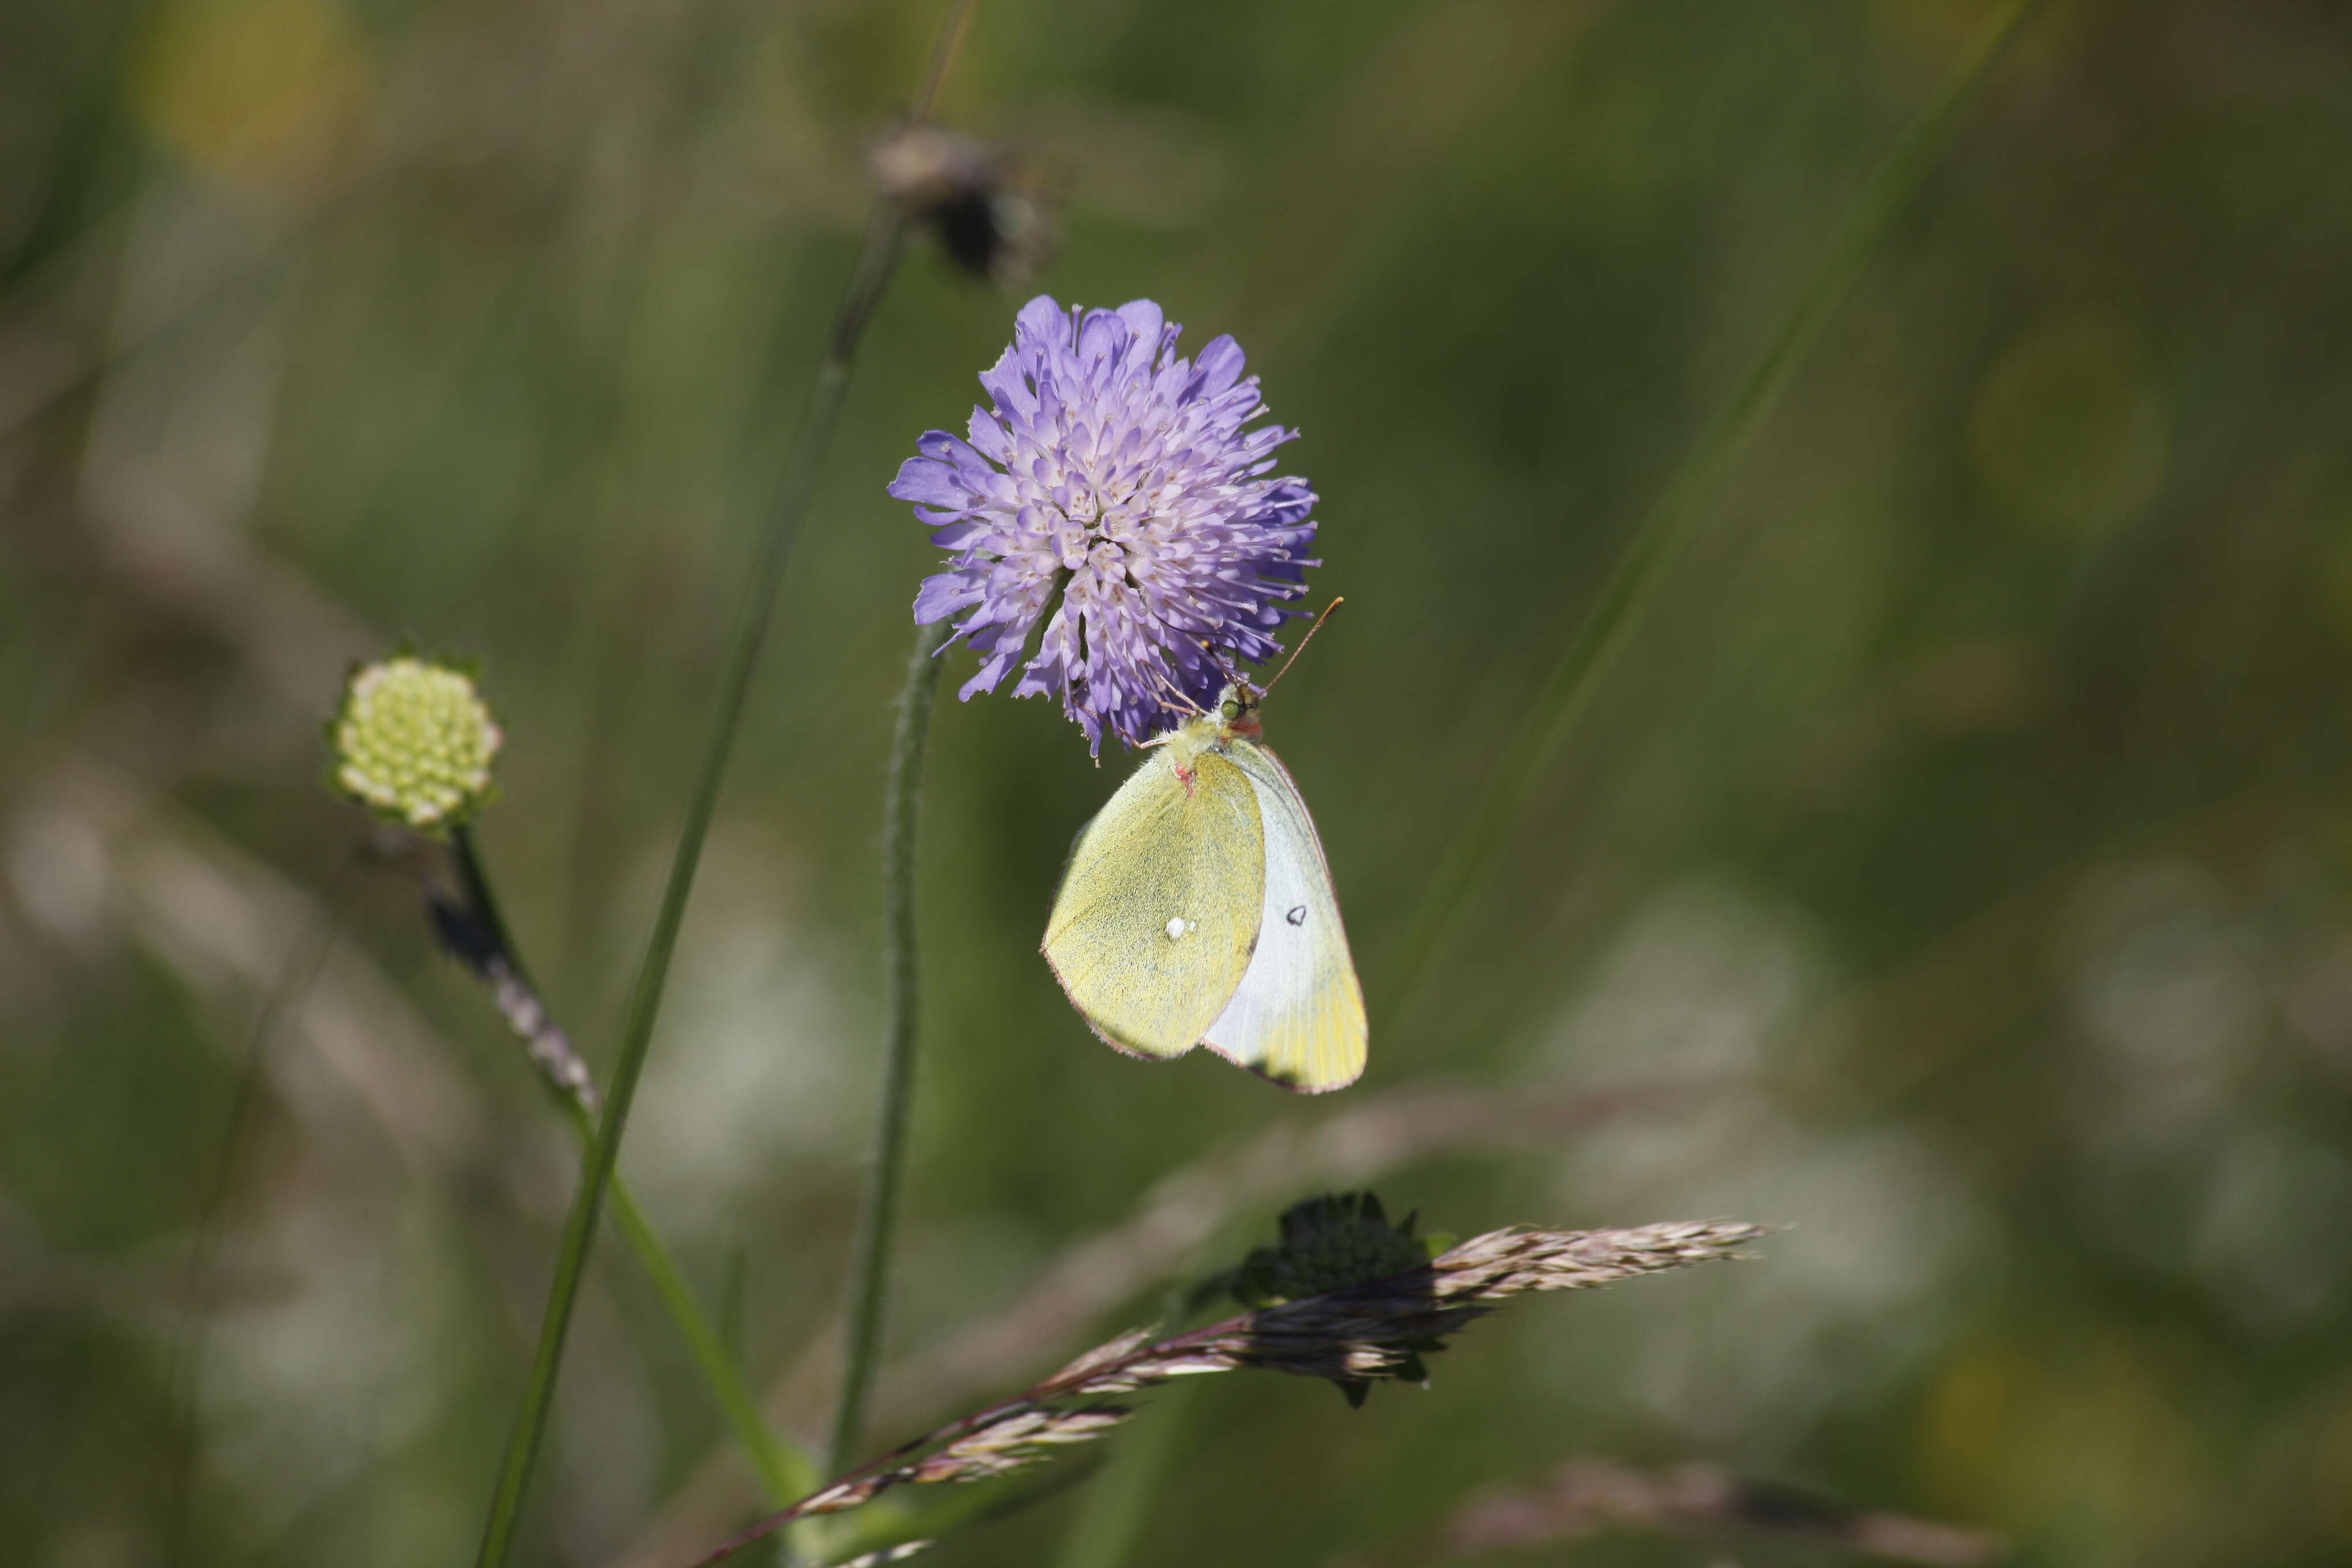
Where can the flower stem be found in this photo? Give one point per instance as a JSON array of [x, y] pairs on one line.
[[870, 1265], [1675, 518], [475, 931], [877, 256]]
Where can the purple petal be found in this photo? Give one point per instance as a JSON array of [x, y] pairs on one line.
[[1214, 372], [942, 596], [1144, 320], [930, 483], [989, 438]]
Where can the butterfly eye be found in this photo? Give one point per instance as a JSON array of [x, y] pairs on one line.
[[1232, 710]]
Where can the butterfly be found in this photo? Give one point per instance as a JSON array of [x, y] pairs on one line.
[[1197, 908]]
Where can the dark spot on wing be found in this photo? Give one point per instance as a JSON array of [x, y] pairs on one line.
[[1298, 915]]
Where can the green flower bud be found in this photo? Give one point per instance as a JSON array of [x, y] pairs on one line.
[[414, 741]]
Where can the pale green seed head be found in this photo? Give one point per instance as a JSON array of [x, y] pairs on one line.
[[414, 742]]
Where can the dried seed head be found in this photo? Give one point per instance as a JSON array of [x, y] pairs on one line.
[[898, 1553], [1015, 1439], [992, 211]]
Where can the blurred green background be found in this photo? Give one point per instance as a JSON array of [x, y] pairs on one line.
[[1956, 868]]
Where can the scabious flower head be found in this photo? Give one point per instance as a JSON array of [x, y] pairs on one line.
[[414, 742], [1111, 493]]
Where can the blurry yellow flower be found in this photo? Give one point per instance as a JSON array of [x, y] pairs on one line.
[[256, 93]]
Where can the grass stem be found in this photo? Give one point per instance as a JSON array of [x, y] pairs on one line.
[[783, 1474]]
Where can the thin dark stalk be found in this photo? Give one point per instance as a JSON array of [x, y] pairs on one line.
[[870, 1265], [1684, 507], [877, 256], [473, 880], [476, 933], [184, 1373]]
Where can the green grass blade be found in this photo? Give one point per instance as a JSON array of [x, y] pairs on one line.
[[785, 1474]]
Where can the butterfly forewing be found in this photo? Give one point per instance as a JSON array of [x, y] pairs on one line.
[[1159, 908]]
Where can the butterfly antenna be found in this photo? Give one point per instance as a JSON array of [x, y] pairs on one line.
[[1230, 673], [1302, 644]]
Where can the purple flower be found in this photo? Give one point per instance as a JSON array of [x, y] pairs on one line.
[[1112, 493]]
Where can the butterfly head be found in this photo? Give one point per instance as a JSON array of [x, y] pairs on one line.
[[1233, 715], [1236, 711]]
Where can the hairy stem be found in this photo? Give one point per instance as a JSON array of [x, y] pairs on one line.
[[1675, 518], [870, 1266]]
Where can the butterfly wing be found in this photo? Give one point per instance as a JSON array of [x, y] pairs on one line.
[[1161, 852], [1297, 1015]]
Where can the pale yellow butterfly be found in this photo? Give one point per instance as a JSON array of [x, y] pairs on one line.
[[1197, 908]]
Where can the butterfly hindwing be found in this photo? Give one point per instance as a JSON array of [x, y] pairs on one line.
[[1297, 1015]]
